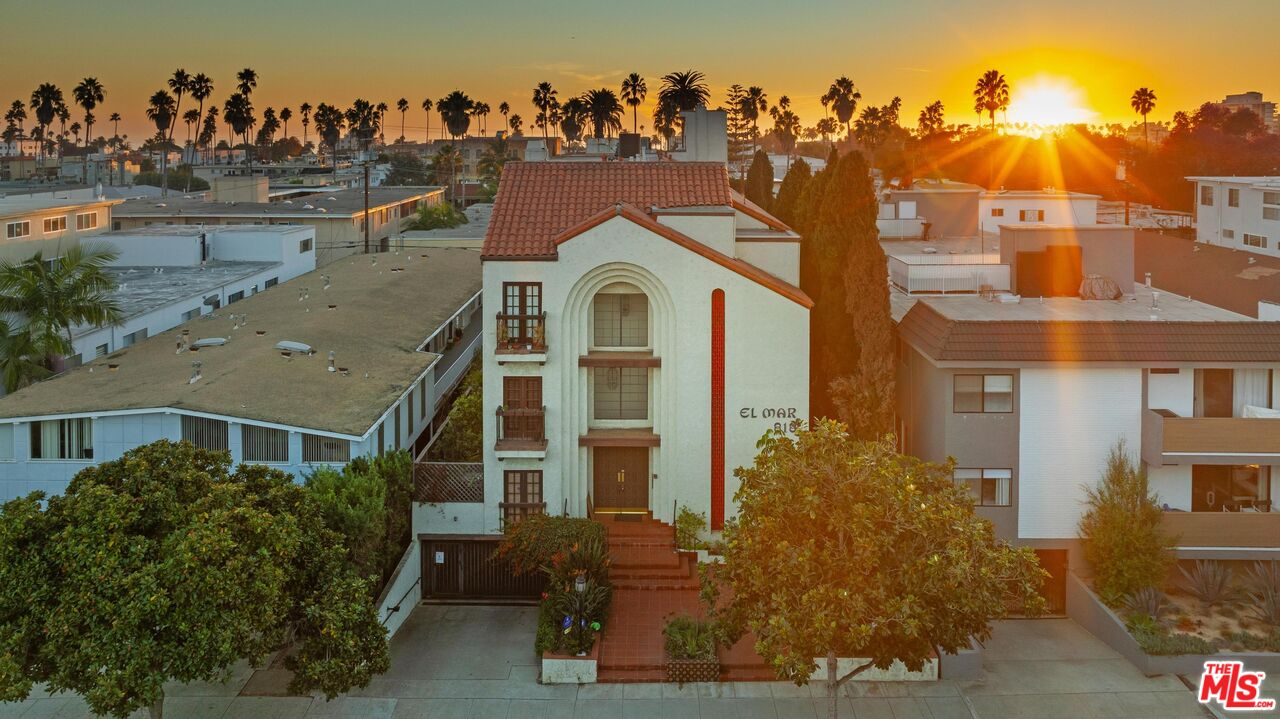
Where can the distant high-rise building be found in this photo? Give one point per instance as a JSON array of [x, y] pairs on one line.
[[1253, 101]]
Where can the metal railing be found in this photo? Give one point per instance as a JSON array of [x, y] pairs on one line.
[[946, 274], [522, 425], [522, 332], [440, 482]]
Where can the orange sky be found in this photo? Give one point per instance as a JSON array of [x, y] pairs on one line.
[[923, 50]]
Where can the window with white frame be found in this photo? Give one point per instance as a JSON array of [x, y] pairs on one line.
[[1206, 195], [983, 393], [264, 444], [205, 433], [1271, 198], [304, 246], [54, 224], [1271, 213], [86, 220], [17, 230], [6, 442], [990, 487], [1031, 215], [997, 212], [1228, 234], [1233, 197], [316, 448], [62, 439], [1255, 241]]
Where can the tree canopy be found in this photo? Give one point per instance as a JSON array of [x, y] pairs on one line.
[[846, 549], [759, 187], [163, 566]]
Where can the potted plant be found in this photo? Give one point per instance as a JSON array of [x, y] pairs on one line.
[[691, 650]]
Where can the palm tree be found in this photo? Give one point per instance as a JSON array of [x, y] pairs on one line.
[[931, 119], [54, 296], [573, 119], [843, 98], [381, 109], [201, 89], [482, 111], [20, 359], [115, 119], [633, 93], [403, 106], [179, 84], [160, 110], [285, 115], [329, 120], [247, 80], [75, 132], [305, 110], [495, 157], [237, 112], [455, 109], [1143, 102], [753, 102], [364, 121], [684, 90], [88, 94], [45, 101], [544, 98], [505, 109], [427, 104], [189, 118], [991, 95], [604, 110], [515, 122]]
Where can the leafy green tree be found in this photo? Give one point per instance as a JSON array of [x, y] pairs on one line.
[[407, 169], [847, 549], [462, 439], [793, 186], [354, 504], [760, 180], [395, 472], [495, 157], [1123, 538], [165, 566]]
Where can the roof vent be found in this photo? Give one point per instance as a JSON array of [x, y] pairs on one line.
[[291, 346], [209, 342]]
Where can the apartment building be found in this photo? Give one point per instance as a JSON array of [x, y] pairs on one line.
[[959, 209], [354, 359], [50, 226], [1242, 213], [1030, 389], [1253, 102], [648, 330]]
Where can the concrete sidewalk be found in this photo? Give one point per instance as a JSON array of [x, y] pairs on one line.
[[481, 666]]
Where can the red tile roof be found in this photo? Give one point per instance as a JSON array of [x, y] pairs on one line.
[[948, 340], [538, 201]]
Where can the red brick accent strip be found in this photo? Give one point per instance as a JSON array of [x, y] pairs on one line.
[[717, 409]]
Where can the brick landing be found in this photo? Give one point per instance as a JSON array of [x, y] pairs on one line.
[[653, 582]]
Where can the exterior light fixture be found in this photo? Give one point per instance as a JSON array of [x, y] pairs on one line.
[[580, 584]]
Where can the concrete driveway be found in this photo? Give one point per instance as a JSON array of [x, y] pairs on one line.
[[469, 662]]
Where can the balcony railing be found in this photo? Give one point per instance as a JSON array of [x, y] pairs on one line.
[[516, 511], [439, 482], [522, 429], [1217, 530], [1170, 439], [522, 333], [948, 274]]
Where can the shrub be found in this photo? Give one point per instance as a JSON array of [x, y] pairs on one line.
[[689, 527], [1265, 603], [687, 637], [586, 558], [1160, 643], [582, 615], [355, 506], [1257, 643], [530, 544], [1123, 539], [1209, 581], [1264, 574], [435, 217], [1147, 602]]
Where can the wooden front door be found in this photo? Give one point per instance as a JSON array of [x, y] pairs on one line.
[[620, 478]]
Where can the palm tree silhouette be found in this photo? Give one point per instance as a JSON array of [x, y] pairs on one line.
[[46, 99], [246, 81], [285, 115], [160, 110], [544, 98], [1143, 102], [843, 98], [427, 104], [754, 102], [604, 110], [684, 90], [179, 84], [201, 88], [991, 95], [305, 110], [455, 108], [88, 94], [505, 109], [573, 119], [403, 106], [633, 93]]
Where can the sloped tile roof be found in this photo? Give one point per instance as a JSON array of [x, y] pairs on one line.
[[539, 201], [949, 340]]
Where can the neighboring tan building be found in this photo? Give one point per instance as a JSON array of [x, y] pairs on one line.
[[50, 226], [1253, 102], [355, 359], [1242, 213], [336, 215], [646, 329], [960, 209]]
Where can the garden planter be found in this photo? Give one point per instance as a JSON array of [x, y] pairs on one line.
[[570, 669], [682, 671]]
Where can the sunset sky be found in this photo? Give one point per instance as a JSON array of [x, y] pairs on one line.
[[1091, 54]]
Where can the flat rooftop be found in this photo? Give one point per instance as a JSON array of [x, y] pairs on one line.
[[1137, 307], [385, 305], [1263, 181], [474, 229], [342, 203], [1224, 276], [140, 290], [15, 206]]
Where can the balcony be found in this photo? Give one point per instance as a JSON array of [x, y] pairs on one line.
[[948, 274], [522, 337], [1223, 530], [521, 433], [1170, 439]]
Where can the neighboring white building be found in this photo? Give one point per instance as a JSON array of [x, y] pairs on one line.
[[166, 275], [49, 225], [1242, 213], [649, 329], [398, 330], [1036, 207]]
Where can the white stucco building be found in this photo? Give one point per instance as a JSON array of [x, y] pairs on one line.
[[254, 378], [648, 330], [1242, 213], [1036, 207]]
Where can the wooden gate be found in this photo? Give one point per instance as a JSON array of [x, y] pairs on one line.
[[465, 570], [1054, 590]]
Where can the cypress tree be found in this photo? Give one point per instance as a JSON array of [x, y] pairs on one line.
[[797, 178], [760, 180]]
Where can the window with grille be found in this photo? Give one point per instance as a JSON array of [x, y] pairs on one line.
[[997, 212], [522, 311], [422, 399], [1271, 213], [1271, 198], [264, 444], [235, 297], [205, 433], [983, 393], [990, 487], [190, 314], [1206, 195], [522, 494], [62, 439], [316, 448], [1031, 215], [1228, 234], [100, 350], [271, 283], [621, 320], [621, 393], [1233, 197], [396, 410]]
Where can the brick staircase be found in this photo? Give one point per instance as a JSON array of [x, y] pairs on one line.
[[652, 581]]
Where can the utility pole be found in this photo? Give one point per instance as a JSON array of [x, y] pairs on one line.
[[1121, 172], [366, 202]]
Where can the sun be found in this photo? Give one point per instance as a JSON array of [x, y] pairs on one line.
[[1046, 101]]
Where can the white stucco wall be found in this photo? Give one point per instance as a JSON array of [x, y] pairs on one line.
[[1171, 484], [1073, 210], [1214, 221], [780, 259], [1071, 418], [1174, 392], [766, 367], [714, 231]]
